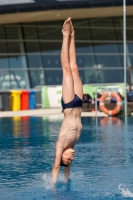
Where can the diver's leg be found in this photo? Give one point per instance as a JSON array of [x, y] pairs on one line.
[[67, 82], [78, 89]]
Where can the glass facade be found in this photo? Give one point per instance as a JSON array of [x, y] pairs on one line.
[[30, 52]]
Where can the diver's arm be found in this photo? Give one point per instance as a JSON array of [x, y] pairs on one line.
[[67, 173], [56, 166]]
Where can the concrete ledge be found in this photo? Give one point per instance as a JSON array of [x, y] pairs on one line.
[[45, 112], [35, 112]]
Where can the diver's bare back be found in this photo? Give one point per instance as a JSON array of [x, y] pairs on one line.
[[70, 129]]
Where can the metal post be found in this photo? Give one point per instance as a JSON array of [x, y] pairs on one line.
[[96, 107], [96, 101], [125, 67]]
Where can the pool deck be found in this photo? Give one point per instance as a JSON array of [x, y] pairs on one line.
[[46, 112], [53, 112]]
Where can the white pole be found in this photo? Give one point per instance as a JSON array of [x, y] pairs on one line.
[[125, 65]]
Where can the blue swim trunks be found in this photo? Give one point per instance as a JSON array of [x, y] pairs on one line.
[[75, 103]]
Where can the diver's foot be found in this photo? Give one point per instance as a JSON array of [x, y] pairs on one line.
[[72, 29], [66, 30]]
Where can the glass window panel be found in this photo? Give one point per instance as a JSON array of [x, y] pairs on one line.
[[50, 30], [5, 82], [130, 47], [89, 76], [86, 61], [102, 22], [53, 77], [122, 60], [105, 48], [3, 62], [14, 47], [103, 34], [48, 33], [32, 47], [118, 21], [19, 79], [17, 62], [128, 60], [2, 47], [129, 56], [13, 32], [84, 47], [120, 47], [82, 33], [37, 77], [119, 34], [34, 61], [129, 34], [2, 33], [30, 32], [111, 76], [53, 47], [3, 58], [108, 61], [50, 23], [80, 22], [51, 61], [129, 21], [82, 76], [131, 61], [94, 76], [54, 32]]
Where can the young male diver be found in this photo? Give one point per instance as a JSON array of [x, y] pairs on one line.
[[72, 95]]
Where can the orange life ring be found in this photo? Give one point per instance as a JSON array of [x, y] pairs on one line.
[[118, 106]]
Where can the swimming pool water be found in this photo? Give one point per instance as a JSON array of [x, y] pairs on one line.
[[102, 168]]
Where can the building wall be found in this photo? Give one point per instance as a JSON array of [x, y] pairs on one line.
[[30, 52]]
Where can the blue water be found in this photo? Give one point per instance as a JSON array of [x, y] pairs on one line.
[[102, 169]]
